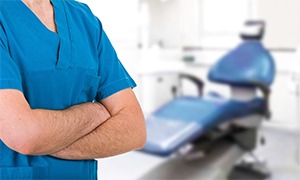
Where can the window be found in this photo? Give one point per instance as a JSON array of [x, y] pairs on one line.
[[222, 21]]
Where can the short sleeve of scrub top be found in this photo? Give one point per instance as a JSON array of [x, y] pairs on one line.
[[114, 76], [10, 77]]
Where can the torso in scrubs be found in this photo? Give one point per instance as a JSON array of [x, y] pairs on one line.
[[55, 71]]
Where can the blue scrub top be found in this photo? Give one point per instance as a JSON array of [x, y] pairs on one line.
[[55, 71]]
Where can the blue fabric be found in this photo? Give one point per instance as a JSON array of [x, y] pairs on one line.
[[55, 71], [165, 128], [246, 65]]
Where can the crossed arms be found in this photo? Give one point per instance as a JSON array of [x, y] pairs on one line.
[[85, 131]]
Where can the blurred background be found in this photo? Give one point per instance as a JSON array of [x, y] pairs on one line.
[[154, 36]]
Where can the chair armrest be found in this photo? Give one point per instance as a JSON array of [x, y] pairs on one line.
[[266, 93], [198, 82]]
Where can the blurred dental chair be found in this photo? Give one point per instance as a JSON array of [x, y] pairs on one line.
[[205, 137]]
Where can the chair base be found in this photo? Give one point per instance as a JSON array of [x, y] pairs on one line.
[[255, 170], [213, 166]]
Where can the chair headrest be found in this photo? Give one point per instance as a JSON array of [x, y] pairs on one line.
[[247, 65], [253, 30]]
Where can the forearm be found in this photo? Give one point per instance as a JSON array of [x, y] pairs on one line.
[[122, 133], [47, 131], [64, 127]]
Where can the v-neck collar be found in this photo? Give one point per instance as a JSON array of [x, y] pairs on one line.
[[63, 30], [33, 22], [63, 35]]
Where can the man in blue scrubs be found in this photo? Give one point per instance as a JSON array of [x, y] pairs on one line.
[[65, 98]]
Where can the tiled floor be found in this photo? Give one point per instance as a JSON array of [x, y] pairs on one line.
[[281, 154]]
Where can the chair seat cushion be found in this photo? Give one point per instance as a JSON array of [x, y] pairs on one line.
[[186, 118]]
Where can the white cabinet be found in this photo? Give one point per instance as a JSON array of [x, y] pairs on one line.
[[283, 103], [157, 89]]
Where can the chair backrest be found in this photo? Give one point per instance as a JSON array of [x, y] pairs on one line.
[[247, 65]]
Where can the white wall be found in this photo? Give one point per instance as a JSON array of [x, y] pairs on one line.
[[283, 22], [174, 22], [216, 23], [191, 30], [164, 22], [222, 21], [120, 20], [282, 18]]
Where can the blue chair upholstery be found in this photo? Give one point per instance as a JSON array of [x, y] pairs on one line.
[[248, 64], [187, 118]]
